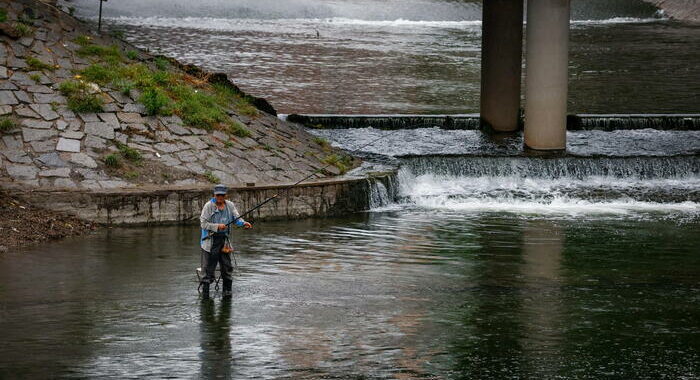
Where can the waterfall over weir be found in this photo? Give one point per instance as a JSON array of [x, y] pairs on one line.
[[640, 173], [604, 122]]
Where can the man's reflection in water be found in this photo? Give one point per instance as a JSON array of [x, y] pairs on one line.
[[215, 340]]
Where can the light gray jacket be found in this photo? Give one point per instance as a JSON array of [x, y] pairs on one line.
[[208, 228]]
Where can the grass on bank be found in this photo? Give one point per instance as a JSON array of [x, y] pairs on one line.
[[80, 98], [129, 153], [211, 177], [38, 65], [325, 145], [112, 160], [7, 124], [23, 30], [165, 92], [342, 162]]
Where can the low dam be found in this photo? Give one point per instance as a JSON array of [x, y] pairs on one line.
[[604, 122]]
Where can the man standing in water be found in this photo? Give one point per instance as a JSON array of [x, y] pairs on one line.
[[216, 219]]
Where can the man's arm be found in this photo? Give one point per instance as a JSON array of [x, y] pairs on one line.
[[238, 221], [204, 219]]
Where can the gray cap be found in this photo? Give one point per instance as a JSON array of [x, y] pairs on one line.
[[220, 189]]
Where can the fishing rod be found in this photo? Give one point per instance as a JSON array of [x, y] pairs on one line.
[[270, 199]]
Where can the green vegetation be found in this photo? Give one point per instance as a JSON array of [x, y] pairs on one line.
[[71, 11], [3, 15], [79, 97], [35, 77], [156, 102], [227, 95], [117, 33], [98, 73], [6, 124], [83, 40], [108, 53], [343, 163], [23, 30], [112, 160], [198, 103], [211, 177], [237, 129], [325, 145], [124, 86], [161, 63], [36, 64], [228, 144], [132, 174], [25, 19], [129, 153]]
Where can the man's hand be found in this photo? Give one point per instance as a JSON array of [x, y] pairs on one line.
[[247, 225], [222, 227]]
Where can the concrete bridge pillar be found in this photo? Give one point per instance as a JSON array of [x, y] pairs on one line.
[[501, 62], [546, 74]]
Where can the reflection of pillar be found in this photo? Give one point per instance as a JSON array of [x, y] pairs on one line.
[[543, 243], [501, 62], [546, 78]]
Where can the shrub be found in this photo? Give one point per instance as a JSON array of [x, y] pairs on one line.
[[237, 129], [117, 33], [228, 144], [6, 124], [104, 52], [124, 86], [98, 73], [36, 64], [162, 78], [22, 30], [325, 145], [244, 107], [3, 15], [155, 101], [132, 174], [343, 163], [132, 55], [112, 160], [129, 153], [35, 77], [79, 97], [83, 40], [211, 177], [197, 109], [227, 96], [161, 63]]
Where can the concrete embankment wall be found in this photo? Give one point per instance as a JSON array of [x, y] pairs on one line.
[[684, 10], [183, 205]]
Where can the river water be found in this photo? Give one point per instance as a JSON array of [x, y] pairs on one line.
[[479, 261], [409, 56], [488, 264]]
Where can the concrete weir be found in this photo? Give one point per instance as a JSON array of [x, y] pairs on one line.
[[604, 122], [174, 205]]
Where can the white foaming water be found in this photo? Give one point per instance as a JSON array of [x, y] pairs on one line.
[[252, 24], [568, 197]]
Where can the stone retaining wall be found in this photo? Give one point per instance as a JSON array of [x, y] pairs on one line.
[[685, 10], [184, 204]]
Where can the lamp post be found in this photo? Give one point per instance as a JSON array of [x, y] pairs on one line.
[[99, 19]]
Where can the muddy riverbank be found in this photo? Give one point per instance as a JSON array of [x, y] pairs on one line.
[[23, 224]]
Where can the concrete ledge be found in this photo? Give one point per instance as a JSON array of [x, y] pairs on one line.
[[173, 205]]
